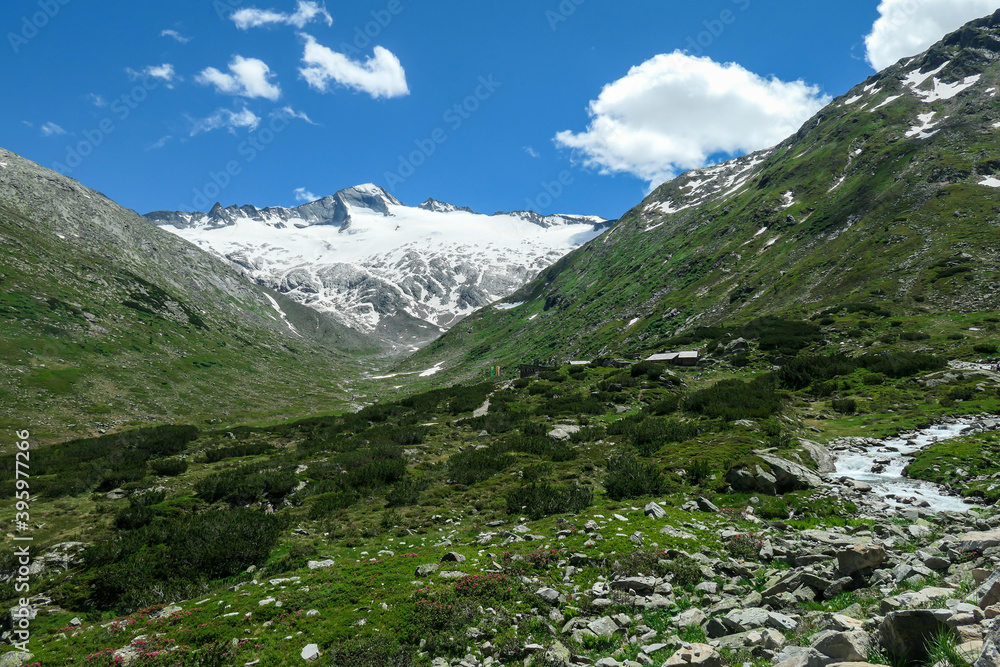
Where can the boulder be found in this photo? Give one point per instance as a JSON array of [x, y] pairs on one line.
[[859, 558], [701, 655], [655, 511], [791, 476], [905, 634], [978, 541], [988, 593], [603, 626], [310, 652], [427, 570], [843, 646], [15, 658], [453, 557], [820, 454], [800, 656], [550, 595], [990, 655], [636, 585]]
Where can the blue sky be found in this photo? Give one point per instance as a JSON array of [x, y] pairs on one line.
[[497, 106]]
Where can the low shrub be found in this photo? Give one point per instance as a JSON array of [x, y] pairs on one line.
[[541, 499], [169, 467], [630, 478]]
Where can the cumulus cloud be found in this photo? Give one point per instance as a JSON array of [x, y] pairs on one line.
[[173, 34], [305, 13], [97, 100], [908, 27], [50, 129], [675, 111], [379, 76], [531, 151], [164, 72], [250, 78], [304, 196], [226, 118]]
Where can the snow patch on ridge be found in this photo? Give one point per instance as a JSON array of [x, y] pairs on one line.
[[990, 182]]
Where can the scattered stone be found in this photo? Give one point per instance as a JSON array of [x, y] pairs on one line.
[[655, 511], [859, 558], [453, 557], [427, 569], [310, 652], [701, 655]]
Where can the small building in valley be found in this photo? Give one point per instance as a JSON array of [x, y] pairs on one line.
[[686, 358]]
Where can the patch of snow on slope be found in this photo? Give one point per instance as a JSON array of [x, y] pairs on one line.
[[927, 122], [762, 231], [433, 371], [915, 79], [996, 125], [990, 182], [508, 306], [839, 182], [3, 164], [632, 322], [788, 199], [886, 101], [852, 100], [284, 318]]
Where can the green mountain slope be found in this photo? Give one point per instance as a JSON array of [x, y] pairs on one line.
[[888, 196], [107, 319]]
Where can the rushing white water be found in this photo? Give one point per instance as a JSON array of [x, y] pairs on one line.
[[881, 466]]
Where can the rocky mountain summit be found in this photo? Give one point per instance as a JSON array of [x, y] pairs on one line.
[[404, 274]]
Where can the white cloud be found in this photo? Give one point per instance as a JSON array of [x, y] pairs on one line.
[[289, 112], [226, 118], [175, 35], [159, 144], [379, 76], [97, 100], [164, 72], [531, 151], [250, 78], [50, 129], [304, 196], [908, 27], [305, 13], [674, 111]]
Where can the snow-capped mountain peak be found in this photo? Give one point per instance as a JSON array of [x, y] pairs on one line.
[[380, 266]]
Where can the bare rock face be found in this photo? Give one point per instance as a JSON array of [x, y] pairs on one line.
[[860, 558], [905, 633]]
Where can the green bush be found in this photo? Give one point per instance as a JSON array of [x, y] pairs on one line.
[[169, 467], [374, 651], [539, 500], [845, 406], [685, 570], [630, 478], [405, 492], [245, 484], [985, 348], [476, 465], [735, 399], [237, 451]]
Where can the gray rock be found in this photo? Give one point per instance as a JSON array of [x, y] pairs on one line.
[[655, 511], [698, 655], [310, 652], [706, 505], [563, 431], [453, 557], [550, 595], [820, 454], [791, 476], [166, 612], [603, 626], [800, 656], [843, 646], [905, 633], [15, 658], [988, 592], [427, 569], [320, 564], [978, 541], [558, 654], [637, 585], [859, 558]]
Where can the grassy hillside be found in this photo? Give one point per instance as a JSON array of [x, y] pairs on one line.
[[108, 320], [866, 204], [374, 494]]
